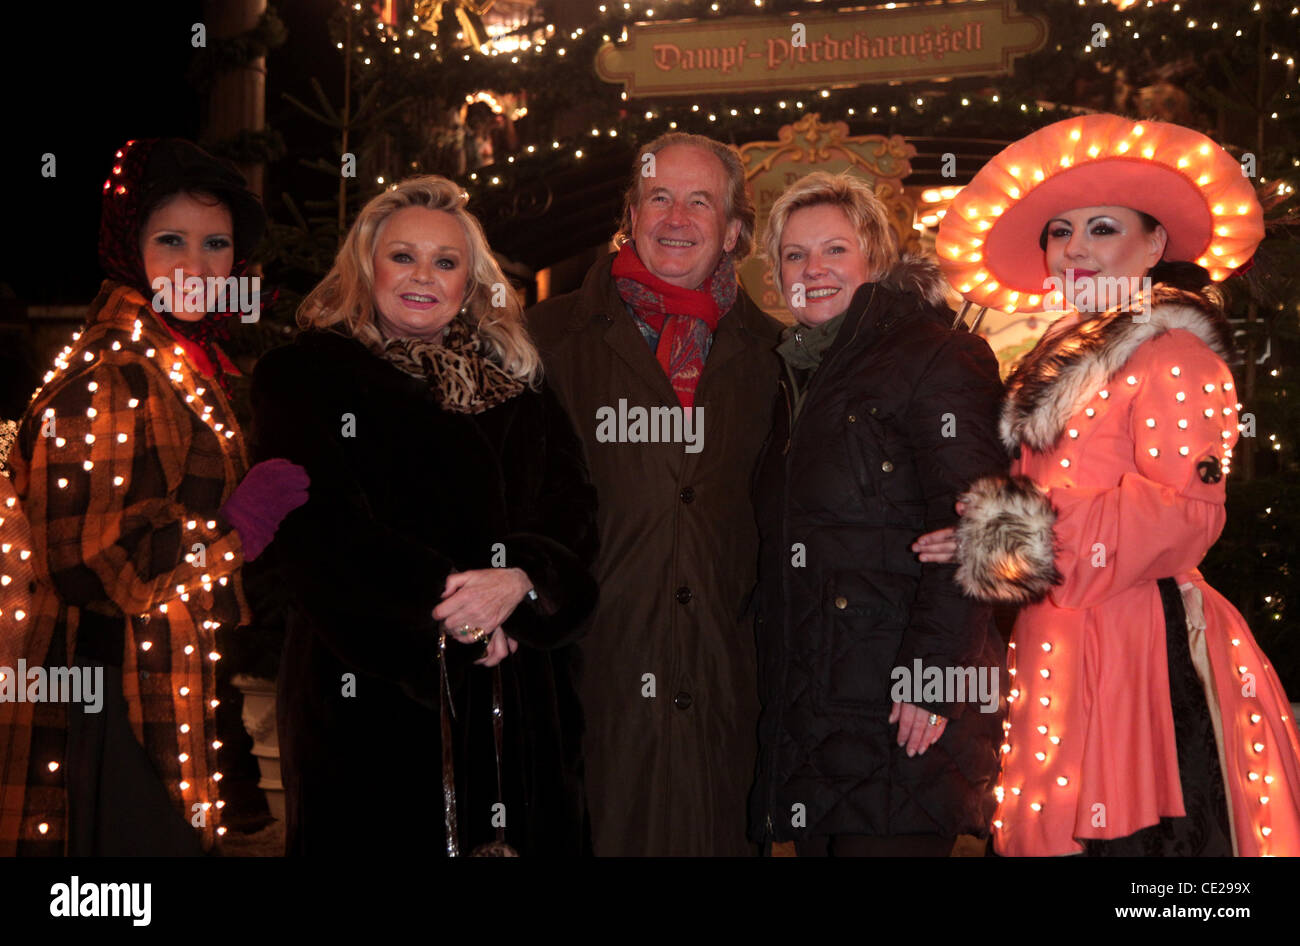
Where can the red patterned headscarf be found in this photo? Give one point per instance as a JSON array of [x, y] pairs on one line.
[[145, 173]]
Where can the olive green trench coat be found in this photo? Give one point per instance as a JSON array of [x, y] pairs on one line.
[[668, 680]]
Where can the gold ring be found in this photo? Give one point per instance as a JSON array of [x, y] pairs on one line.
[[934, 719], [474, 634]]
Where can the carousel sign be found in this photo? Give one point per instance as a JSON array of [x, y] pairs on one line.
[[816, 50]]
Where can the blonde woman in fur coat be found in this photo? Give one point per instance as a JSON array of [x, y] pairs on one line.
[[1144, 720]]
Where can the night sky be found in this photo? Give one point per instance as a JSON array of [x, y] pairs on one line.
[[80, 85]]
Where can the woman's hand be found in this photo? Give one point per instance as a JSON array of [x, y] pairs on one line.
[[498, 649], [914, 729], [269, 491], [939, 546], [482, 598]]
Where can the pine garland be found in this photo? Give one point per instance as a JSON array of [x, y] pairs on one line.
[[227, 54]]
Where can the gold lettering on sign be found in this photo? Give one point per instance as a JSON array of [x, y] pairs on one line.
[[720, 59], [975, 37]]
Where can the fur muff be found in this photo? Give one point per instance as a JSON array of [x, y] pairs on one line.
[[1005, 541]]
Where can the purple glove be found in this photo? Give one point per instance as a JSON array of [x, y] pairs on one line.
[[268, 492]]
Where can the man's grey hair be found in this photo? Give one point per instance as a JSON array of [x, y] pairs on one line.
[[738, 205]]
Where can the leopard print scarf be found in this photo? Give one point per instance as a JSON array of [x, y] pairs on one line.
[[462, 378]]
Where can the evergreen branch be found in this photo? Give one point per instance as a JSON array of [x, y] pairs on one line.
[[308, 110], [325, 105], [294, 211]]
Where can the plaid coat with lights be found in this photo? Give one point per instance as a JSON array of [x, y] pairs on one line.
[[122, 461]]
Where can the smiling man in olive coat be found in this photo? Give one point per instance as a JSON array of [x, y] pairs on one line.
[[667, 367]]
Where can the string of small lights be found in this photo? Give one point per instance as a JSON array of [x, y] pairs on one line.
[[192, 660], [1045, 721], [552, 68]]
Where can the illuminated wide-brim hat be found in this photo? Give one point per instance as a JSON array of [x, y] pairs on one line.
[[988, 242]]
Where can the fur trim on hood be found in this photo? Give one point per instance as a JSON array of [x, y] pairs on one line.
[[1005, 538], [919, 275], [1054, 381]]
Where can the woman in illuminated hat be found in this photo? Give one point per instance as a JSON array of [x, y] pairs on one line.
[[1144, 720]]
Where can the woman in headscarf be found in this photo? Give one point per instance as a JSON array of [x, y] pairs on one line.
[[132, 493], [440, 571], [1145, 720]]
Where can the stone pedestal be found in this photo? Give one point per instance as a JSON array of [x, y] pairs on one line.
[[259, 721]]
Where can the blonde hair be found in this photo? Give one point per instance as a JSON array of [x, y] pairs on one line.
[[855, 198], [344, 300], [736, 201]]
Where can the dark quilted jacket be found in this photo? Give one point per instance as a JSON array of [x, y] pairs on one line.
[[866, 469]]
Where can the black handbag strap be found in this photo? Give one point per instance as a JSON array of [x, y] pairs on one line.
[[446, 714], [498, 723], [448, 763]]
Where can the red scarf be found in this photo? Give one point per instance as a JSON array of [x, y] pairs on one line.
[[202, 354], [684, 318]]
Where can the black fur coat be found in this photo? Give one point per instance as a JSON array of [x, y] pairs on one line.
[[402, 493]]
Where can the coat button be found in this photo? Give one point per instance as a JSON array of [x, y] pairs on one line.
[[683, 594], [682, 700], [688, 494], [841, 602], [853, 418], [872, 410], [887, 467]]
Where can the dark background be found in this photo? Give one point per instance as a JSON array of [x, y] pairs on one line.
[[108, 73], [114, 72], [79, 80]]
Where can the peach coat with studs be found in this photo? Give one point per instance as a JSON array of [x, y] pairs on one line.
[[1126, 426]]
